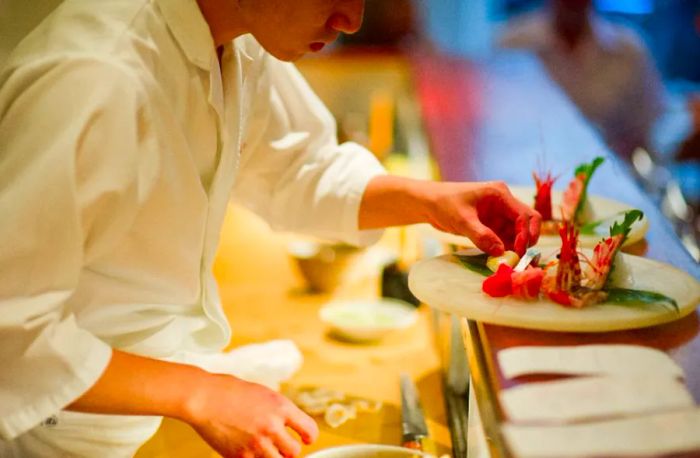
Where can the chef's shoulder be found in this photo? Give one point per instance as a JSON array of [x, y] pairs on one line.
[[114, 33]]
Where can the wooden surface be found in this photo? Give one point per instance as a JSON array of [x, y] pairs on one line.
[[265, 298], [500, 120]]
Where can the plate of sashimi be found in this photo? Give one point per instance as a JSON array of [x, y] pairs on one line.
[[560, 288], [592, 215]]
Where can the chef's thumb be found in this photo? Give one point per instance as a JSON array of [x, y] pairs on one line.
[[486, 240]]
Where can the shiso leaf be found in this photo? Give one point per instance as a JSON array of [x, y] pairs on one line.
[[588, 170], [475, 263], [635, 296]]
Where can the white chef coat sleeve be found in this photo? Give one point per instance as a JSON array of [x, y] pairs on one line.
[[70, 132], [293, 172]]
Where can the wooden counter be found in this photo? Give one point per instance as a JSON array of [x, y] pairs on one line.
[[500, 120], [264, 298]]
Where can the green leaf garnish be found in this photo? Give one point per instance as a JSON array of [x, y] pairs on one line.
[[588, 170], [626, 225], [626, 296], [631, 216], [591, 228], [622, 229], [475, 263]]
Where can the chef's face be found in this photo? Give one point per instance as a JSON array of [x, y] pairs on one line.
[[288, 29]]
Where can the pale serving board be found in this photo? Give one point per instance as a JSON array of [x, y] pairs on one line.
[[443, 283], [601, 207]]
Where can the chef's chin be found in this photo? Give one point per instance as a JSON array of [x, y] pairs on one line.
[[288, 55]]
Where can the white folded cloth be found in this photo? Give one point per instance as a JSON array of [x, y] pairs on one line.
[[267, 363], [587, 360], [591, 398]]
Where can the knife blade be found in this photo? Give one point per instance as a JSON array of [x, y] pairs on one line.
[[413, 428], [530, 256]]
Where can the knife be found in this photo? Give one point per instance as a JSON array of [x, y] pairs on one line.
[[414, 432], [530, 256]]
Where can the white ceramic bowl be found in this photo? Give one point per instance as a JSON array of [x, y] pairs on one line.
[[367, 320], [366, 451]]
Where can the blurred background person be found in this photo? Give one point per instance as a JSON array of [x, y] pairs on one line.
[[602, 66], [689, 149]]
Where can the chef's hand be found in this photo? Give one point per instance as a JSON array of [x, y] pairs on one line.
[[486, 212], [239, 419], [246, 420]]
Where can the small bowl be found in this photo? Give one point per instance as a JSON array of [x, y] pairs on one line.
[[367, 320], [367, 451], [323, 266]]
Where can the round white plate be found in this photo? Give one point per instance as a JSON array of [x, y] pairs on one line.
[[601, 208], [443, 283], [367, 320]]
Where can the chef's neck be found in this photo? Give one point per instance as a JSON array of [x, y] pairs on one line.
[[223, 18]]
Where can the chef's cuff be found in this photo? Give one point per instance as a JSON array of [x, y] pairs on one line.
[[367, 167], [58, 367], [350, 217]]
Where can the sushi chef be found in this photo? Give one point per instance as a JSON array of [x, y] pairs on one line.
[[125, 128]]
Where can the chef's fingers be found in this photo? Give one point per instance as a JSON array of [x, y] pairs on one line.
[[535, 225], [303, 424], [510, 206], [287, 445], [266, 449], [527, 222], [522, 237], [483, 237]]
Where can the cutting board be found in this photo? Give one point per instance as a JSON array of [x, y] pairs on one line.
[[444, 284], [601, 208]]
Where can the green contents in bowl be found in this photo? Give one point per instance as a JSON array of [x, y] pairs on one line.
[[365, 320], [363, 316]]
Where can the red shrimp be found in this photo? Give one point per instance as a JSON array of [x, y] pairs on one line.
[[572, 196], [565, 287], [599, 267], [543, 195]]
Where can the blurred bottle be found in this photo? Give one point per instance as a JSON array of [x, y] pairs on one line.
[[381, 123]]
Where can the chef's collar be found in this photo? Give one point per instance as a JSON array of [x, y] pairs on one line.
[[186, 22]]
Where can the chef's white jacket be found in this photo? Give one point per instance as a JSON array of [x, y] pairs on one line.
[[121, 142]]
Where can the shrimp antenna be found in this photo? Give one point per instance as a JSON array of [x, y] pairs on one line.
[[542, 156]]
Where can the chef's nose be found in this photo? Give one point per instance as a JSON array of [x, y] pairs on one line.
[[347, 17]]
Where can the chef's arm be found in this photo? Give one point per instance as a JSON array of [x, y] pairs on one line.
[[486, 212], [136, 385], [232, 415]]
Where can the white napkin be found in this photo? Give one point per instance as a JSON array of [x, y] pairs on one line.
[[649, 435], [586, 398], [587, 359], [268, 363]]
